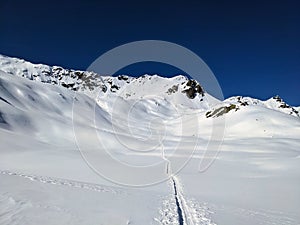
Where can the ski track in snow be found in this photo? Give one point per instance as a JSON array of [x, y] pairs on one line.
[[10, 210], [63, 182], [192, 212], [181, 213], [177, 210]]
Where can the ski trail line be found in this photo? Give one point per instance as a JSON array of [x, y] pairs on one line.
[[63, 182], [184, 216]]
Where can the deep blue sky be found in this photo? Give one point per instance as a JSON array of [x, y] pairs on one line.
[[253, 47]]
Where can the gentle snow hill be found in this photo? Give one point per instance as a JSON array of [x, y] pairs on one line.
[[46, 110]]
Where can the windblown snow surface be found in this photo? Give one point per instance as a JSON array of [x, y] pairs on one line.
[[66, 137]]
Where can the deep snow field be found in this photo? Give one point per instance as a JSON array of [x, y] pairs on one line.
[[147, 150]]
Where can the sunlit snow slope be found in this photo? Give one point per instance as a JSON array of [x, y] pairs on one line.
[[59, 127]]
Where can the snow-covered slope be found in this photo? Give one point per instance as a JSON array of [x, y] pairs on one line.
[[127, 87], [57, 126], [178, 89]]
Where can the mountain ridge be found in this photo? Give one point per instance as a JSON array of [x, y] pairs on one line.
[[92, 84]]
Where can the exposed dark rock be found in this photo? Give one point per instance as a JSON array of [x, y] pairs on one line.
[[69, 86], [114, 88], [221, 111], [193, 89], [284, 106], [5, 101], [57, 68], [295, 111], [173, 89], [104, 88], [123, 77], [242, 103], [79, 74], [63, 97]]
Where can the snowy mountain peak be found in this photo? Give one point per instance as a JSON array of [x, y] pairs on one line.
[[72, 79], [179, 89], [274, 103]]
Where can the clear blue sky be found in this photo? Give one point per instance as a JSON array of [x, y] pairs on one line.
[[253, 47]]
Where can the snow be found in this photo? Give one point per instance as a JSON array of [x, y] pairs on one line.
[[79, 149]]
